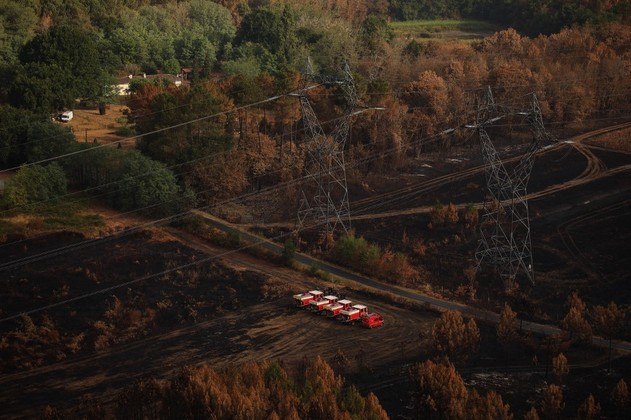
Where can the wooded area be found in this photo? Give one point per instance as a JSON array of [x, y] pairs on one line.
[[215, 139]]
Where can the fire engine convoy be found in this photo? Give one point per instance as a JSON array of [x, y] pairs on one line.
[[340, 309]]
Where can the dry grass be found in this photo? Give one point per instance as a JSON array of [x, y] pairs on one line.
[[617, 140], [89, 124]]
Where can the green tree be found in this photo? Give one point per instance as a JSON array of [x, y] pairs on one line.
[[374, 31], [289, 251], [17, 25], [274, 29], [28, 137], [41, 87], [66, 56], [129, 180], [146, 183], [35, 183], [213, 21]]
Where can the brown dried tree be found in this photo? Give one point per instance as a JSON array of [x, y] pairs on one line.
[[560, 367], [552, 404], [608, 321], [507, 327], [589, 409], [452, 336], [620, 396]]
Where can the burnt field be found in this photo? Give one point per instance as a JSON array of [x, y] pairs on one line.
[[223, 312], [244, 313], [119, 315], [580, 225]]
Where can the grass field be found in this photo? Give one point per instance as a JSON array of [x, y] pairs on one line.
[[75, 216], [89, 125], [444, 29]]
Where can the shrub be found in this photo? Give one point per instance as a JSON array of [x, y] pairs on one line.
[[363, 256], [289, 250], [35, 183]]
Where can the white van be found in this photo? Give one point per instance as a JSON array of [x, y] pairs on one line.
[[66, 116]]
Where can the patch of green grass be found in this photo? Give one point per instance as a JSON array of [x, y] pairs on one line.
[[82, 222], [444, 29], [440, 25], [53, 215]]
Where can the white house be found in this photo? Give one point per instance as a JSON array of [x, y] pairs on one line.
[[122, 87]]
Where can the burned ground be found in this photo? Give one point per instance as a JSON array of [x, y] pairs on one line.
[[233, 310], [149, 307], [579, 220]]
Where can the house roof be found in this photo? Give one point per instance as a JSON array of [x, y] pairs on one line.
[[169, 77]]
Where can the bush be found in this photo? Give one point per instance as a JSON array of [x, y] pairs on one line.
[[35, 183], [28, 137], [130, 180], [125, 131], [289, 250], [370, 259], [356, 252]]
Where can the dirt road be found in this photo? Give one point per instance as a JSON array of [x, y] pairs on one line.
[[368, 208], [431, 302]]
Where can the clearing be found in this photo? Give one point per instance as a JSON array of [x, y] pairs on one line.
[[89, 125], [444, 30]]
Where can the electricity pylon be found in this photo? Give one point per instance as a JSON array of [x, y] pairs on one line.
[[505, 239], [324, 195]]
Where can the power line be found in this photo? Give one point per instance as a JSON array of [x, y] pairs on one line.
[[160, 130], [80, 245], [58, 250], [71, 300], [396, 93], [143, 278]]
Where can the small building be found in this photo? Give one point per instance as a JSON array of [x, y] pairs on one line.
[[175, 79], [122, 85]]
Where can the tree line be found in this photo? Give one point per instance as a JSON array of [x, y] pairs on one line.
[[264, 390], [531, 17], [578, 74]]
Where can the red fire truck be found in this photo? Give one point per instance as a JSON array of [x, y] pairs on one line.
[[302, 300], [333, 310], [320, 304], [372, 320], [354, 313]]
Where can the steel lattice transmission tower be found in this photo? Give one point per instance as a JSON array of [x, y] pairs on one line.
[[324, 195], [505, 240]]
